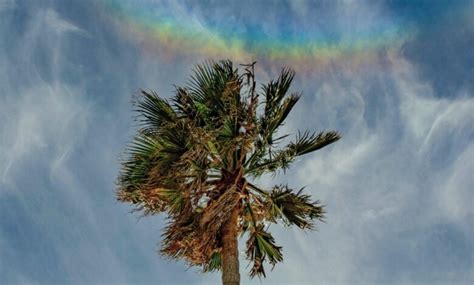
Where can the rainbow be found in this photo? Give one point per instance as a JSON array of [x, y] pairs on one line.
[[157, 30]]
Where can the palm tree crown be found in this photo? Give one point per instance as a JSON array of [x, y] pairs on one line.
[[195, 158]]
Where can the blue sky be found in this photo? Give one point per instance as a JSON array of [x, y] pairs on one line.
[[398, 187]]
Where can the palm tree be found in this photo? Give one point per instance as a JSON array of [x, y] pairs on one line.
[[196, 157]]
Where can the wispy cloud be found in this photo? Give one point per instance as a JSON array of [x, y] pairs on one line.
[[397, 191], [397, 187], [53, 20], [42, 119]]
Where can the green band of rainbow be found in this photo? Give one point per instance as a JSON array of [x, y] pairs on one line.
[[158, 32]]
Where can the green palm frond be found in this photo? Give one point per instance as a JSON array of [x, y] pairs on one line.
[[214, 262], [281, 159], [174, 144], [277, 108], [261, 247], [292, 208], [143, 147], [277, 105], [307, 142], [174, 140], [209, 83], [201, 81], [150, 156], [275, 91], [183, 102], [172, 198], [136, 168], [154, 112], [270, 123], [283, 111], [228, 130]]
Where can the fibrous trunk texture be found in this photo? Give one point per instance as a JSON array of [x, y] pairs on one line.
[[230, 252]]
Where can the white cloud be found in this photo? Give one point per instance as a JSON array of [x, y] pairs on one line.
[[378, 185], [44, 120], [44, 117], [54, 21], [455, 196], [40, 115]]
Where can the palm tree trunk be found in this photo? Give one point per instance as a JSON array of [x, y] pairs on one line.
[[230, 251]]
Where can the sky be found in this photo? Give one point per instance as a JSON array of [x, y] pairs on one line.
[[395, 78]]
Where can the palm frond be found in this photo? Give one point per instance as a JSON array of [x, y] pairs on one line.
[[307, 142], [137, 166], [181, 240], [174, 144], [214, 263], [275, 91], [183, 103], [261, 247], [277, 108], [201, 81], [270, 123], [153, 112], [293, 208], [173, 199], [209, 83]]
